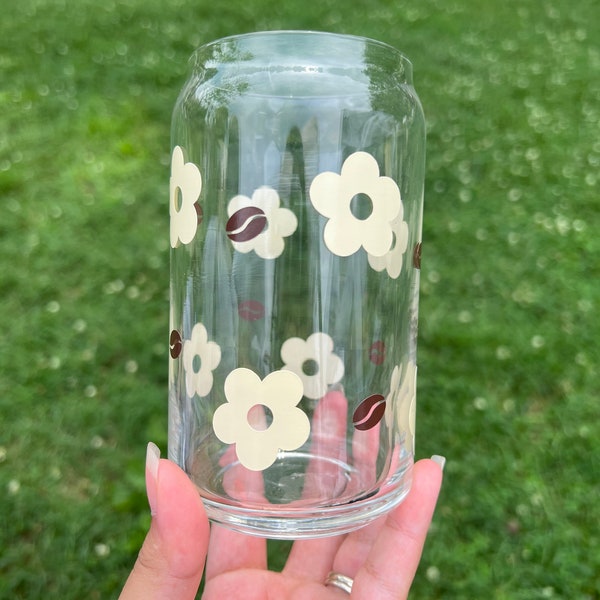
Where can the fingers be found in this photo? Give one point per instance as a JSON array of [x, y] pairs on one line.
[[355, 548], [171, 560], [312, 559], [357, 545], [365, 447], [323, 478], [228, 550], [391, 564]]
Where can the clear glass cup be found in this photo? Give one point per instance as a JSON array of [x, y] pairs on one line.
[[296, 198]]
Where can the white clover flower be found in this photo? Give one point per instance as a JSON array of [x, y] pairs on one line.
[[392, 261], [184, 189], [332, 194], [243, 421], [200, 358], [314, 362], [259, 223]]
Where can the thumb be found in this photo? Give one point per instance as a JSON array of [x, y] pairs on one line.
[[171, 561]]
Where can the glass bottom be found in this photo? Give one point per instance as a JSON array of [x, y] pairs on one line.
[[314, 515]]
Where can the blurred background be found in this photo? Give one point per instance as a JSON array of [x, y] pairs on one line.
[[508, 355]]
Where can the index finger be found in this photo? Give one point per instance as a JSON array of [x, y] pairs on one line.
[[171, 559]]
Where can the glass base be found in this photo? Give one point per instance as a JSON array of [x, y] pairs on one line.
[[311, 517]]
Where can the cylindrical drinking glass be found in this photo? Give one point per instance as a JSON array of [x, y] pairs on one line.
[[296, 198]]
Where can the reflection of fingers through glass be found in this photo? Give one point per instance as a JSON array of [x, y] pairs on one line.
[[239, 483], [327, 472]]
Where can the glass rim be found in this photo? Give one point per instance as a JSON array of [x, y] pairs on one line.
[[306, 33]]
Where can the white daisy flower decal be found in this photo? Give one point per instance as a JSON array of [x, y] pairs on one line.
[[408, 398], [332, 195], [406, 401], [392, 261], [259, 223], [184, 189], [200, 358], [261, 417], [314, 362]]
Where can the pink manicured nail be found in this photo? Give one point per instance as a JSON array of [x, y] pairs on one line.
[[440, 460], [152, 462]]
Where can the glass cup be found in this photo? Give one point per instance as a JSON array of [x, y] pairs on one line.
[[296, 198]]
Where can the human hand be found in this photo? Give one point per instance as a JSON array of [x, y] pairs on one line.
[[381, 558]]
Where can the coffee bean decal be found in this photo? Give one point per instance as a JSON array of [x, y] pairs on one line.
[[417, 256], [377, 352], [175, 343], [251, 310], [369, 412], [245, 224], [199, 212]]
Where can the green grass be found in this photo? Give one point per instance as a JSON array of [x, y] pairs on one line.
[[508, 354]]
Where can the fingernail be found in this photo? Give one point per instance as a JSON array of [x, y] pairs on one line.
[[440, 460], [152, 462]]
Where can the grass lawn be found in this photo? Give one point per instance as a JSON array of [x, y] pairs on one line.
[[508, 355]]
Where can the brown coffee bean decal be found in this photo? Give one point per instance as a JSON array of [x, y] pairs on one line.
[[417, 256], [175, 343], [251, 310], [245, 224], [377, 352], [369, 412], [199, 212]]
